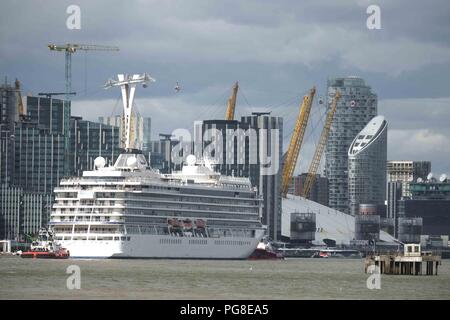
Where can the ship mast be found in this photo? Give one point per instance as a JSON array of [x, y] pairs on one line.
[[127, 85]]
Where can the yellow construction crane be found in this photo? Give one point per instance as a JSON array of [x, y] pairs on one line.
[[232, 103], [71, 48], [290, 160], [311, 177], [20, 107]]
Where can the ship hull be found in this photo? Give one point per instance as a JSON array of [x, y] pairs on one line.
[[164, 247]]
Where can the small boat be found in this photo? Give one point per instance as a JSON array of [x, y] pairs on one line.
[[321, 254], [264, 252], [44, 247]]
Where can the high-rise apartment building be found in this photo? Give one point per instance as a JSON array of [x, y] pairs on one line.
[[40, 143], [252, 147], [33, 149], [394, 194], [22, 213], [367, 157], [356, 107], [89, 140], [145, 131], [40, 157], [159, 154], [319, 188], [8, 116]]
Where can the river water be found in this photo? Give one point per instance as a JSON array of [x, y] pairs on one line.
[[200, 279]]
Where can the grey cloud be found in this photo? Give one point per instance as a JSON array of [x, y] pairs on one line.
[[276, 49]]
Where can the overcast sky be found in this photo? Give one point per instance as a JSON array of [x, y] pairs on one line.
[[277, 50]]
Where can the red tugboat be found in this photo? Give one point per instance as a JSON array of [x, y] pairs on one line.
[[45, 247], [265, 252]]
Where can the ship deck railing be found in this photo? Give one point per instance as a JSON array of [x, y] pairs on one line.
[[143, 180]]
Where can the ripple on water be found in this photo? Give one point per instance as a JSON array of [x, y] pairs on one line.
[[209, 279]]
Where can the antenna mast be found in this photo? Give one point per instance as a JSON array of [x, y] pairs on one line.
[[127, 85]]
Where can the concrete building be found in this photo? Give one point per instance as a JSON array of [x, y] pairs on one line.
[[430, 201], [367, 158], [319, 189], [89, 140], [357, 106], [252, 147], [367, 223], [406, 171]]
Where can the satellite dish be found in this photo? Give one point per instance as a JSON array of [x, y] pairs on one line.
[[131, 161], [99, 162], [191, 160], [443, 178], [353, 103], [430, 176], [419, 180]]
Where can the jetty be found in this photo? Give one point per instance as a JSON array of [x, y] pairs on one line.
[[412, 261]]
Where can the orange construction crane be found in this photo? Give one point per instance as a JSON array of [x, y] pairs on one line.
[[232, 103], [311, 177], [290, 160]]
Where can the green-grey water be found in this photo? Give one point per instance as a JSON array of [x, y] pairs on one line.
[[199, 279]]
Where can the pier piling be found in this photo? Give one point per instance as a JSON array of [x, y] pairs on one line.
[[407, 263]]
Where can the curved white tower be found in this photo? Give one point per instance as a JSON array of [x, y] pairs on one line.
[[367, 157]]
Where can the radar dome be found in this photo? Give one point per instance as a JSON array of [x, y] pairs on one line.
[[191, 160], [131, 161], [99, 162]]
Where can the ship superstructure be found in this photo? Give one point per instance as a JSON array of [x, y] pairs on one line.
[[129, 210]]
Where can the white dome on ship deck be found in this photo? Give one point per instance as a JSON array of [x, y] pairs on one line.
[[191, 160], [131, 161], [99, 162]]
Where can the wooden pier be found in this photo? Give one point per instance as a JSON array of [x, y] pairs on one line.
[[410, 262]]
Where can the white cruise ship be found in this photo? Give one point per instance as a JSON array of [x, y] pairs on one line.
[[129, 210]]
